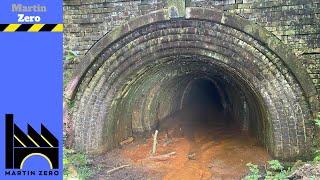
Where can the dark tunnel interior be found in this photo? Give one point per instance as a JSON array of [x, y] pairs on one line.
[[204, 100], [205, 116]]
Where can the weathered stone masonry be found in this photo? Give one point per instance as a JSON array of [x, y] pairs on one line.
[[295, 22], [137, 59]]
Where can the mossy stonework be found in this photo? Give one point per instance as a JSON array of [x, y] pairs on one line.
[[131, 76]]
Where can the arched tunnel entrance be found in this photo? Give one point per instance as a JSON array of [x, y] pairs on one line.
[[210, 102], [155, 66]]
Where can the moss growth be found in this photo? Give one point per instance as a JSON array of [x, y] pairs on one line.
[[75, 165], [177, 5]]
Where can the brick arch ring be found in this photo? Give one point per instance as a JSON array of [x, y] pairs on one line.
[[135, 76]]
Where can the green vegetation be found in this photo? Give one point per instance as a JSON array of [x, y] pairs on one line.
[[317, 120], [69, 58], [275, 170], [75, 165], [316, 156], [317, 150], [254, 172]]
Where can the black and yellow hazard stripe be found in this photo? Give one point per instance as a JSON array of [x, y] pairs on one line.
[[31, 27]]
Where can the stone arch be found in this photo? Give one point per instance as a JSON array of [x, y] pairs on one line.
[[136, 74]]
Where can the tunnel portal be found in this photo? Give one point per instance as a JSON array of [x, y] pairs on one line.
[[156, 65]]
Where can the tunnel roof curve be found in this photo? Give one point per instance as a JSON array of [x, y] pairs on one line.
[[246, 51]]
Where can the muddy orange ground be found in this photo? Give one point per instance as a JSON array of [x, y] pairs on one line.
[[222, 154]]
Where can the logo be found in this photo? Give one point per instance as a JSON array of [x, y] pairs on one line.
[[21, 146]]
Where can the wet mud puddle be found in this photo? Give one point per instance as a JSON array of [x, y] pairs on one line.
[[212, 151]]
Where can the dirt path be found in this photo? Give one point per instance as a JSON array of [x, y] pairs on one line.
[[222, 154], [218, 152]]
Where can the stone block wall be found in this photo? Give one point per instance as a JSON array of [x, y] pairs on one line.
[[295, 22]]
